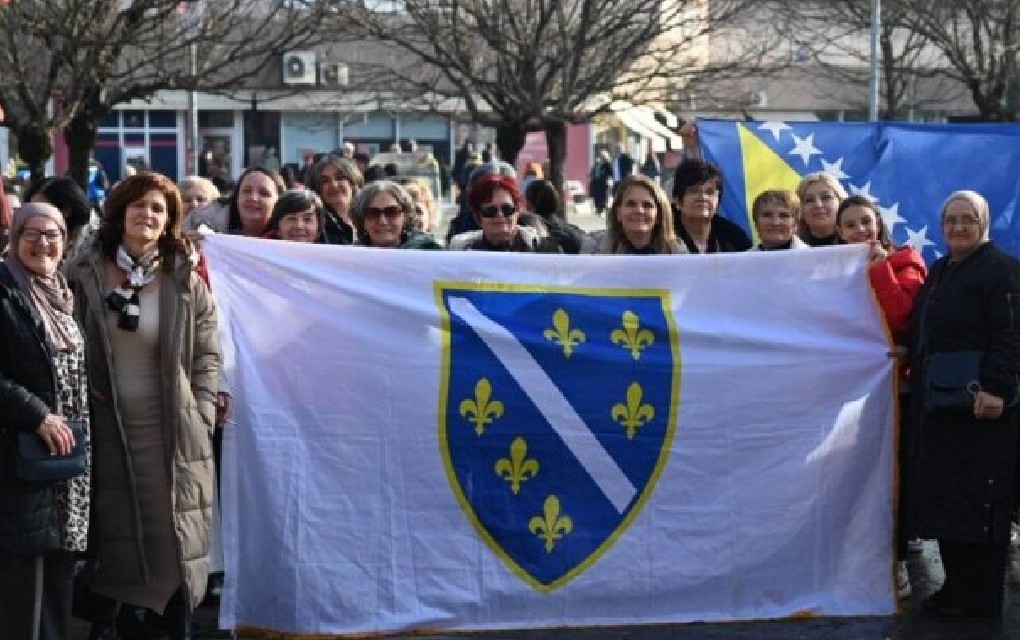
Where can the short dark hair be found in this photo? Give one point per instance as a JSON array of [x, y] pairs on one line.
[[695, 171], [543, 199], [65, 194], [296, 201]]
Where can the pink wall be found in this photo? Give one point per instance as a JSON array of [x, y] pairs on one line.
[[578, 152]]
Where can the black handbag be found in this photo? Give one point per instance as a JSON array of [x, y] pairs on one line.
[[952, 380], [34, 463]]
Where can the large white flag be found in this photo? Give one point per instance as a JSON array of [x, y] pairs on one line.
[[464, 440]]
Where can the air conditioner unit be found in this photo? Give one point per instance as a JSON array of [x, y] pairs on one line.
[[299, 68], [332, 74]]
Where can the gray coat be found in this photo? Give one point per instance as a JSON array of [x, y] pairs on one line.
[[190, 362]]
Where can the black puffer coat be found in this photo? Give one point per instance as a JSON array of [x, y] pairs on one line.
[[963, 468], [28, 512]]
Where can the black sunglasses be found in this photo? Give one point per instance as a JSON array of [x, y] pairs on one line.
[[392, 211], [492, 210]]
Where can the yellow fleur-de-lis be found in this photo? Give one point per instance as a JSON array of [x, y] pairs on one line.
[[551, 526], [631, 335], [518, 467], [633, 415], [562, 334], [482, 410]]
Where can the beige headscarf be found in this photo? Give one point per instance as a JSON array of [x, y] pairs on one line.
[[49, 294]]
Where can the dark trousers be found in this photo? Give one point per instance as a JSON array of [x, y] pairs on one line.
[[19, 591], [975, 573]]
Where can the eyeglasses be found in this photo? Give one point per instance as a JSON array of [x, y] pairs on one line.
[[493, 210], [962, 221], [390, 212], [34, 236], [708, 191]]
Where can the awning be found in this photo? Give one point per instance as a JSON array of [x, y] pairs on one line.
[[642, 121]]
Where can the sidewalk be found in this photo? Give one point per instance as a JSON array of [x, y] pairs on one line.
[[925, 573]]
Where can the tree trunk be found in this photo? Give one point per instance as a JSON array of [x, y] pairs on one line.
[[35, 146], [556, 142], [80, 134], [510, 137]]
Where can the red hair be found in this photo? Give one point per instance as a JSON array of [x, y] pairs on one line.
[[483, 189]]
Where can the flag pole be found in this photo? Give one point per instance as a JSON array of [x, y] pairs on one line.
[[876, 27]]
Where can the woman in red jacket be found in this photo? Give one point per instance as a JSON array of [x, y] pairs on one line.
[[896, 275]]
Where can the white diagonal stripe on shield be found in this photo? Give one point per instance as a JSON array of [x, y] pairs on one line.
[[547, 398]]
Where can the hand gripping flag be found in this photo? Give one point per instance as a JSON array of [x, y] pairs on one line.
[[909, 169]]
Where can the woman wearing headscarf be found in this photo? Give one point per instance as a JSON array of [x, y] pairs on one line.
[[965, 361], [43, 526], [153, 360], [65, 194]]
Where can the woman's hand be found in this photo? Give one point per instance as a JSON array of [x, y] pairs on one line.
[[987, 406], [878, 253], [56, 434]]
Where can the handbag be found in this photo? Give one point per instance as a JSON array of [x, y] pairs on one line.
[[952, 379], [33, 462]]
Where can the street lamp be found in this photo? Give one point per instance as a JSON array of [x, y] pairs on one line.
[[876, 28]]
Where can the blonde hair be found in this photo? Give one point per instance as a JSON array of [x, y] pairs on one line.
[[825, 178], [782, 197], [206, 185], [663, 236]]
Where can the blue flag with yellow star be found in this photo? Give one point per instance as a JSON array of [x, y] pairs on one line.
[[909, 169]]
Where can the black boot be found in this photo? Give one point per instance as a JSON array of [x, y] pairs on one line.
[[103, 632], [178, 617]]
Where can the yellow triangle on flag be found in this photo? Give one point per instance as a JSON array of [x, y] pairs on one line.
[[763, 169]]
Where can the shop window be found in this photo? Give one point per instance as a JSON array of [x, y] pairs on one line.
[[134, 119], [164, 119]]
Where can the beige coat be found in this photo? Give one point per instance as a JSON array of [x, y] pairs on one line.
[[190, 363]]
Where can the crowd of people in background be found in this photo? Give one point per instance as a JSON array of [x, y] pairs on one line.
[[118, 294]]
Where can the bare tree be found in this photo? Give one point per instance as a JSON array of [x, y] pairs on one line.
[[930, 51], [979, 41], [67, 63], [835, 36], [533, 65]]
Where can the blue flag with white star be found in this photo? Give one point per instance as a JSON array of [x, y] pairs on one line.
[[909, 169]]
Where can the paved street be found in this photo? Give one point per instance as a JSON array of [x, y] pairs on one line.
[[926, 575]]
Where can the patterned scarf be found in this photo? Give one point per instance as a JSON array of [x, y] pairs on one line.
[[139, 273]]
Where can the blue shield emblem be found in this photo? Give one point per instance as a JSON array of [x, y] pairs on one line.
[[556, 416]]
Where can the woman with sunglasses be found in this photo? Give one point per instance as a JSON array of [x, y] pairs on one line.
[[383, 213], [495, 202]]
